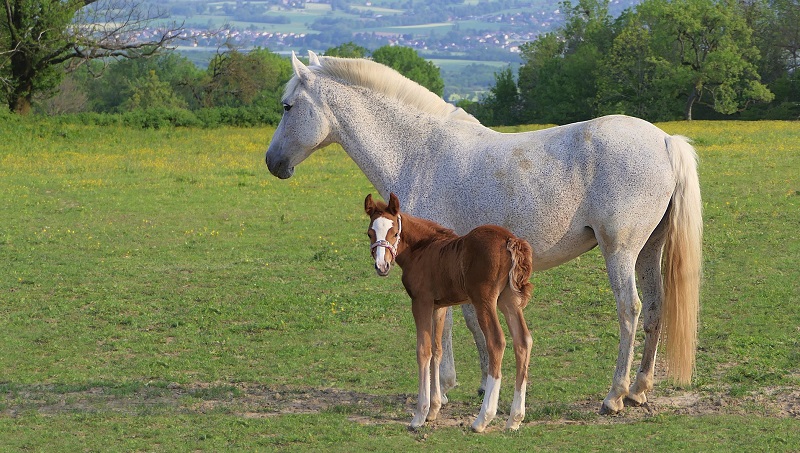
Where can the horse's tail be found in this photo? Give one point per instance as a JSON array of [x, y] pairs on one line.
[[521, 267], [682, 263]]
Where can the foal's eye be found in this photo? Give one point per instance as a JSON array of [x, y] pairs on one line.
[[286, 107]]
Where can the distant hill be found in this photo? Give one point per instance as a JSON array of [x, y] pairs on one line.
[[487, 33]]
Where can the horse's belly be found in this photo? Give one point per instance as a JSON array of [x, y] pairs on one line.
[[547, 256]]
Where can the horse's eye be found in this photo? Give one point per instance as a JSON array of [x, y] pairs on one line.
[[286, 107]]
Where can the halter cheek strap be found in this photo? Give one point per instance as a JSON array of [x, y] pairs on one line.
[[392, 248]]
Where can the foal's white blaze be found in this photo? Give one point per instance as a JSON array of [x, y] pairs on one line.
[[489, 406], [381, 227]]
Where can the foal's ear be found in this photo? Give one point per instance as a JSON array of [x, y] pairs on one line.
[[369, 205], [394, 204], [300, 70]]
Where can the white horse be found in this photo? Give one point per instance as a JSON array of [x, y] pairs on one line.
[[616, 181]]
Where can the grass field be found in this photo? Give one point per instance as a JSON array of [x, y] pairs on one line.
[[161, 292]]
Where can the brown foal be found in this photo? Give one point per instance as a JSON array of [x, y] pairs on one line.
[[488, 267]]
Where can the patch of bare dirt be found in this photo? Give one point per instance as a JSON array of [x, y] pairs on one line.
[[253, 401]]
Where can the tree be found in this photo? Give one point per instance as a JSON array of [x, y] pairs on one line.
[[406, 61], [558, 78], [630, 78], [115, 86], [707, 44], [501, 107], [347, 50], [149, 93], [237, 79], [43, 39]]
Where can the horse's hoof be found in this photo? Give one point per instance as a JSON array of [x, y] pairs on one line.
[[476, 428], [632, 401], [512, 426], [606, 410]]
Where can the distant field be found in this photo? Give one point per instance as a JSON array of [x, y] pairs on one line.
[[162, 292]]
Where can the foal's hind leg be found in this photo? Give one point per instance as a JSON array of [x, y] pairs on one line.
[[648, 268], [485, 302], [621, 264], [509, 303]]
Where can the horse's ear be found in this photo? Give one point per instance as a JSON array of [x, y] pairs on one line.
[[313, 59], [369, 205], [394, 204], [300, 70]]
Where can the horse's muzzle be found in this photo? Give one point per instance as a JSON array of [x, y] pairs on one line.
[[278, 167]]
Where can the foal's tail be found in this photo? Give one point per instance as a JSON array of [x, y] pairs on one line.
[[682, 263], [521, 267]]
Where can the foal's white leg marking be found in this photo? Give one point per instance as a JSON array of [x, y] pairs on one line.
[[436, 359], [489, 406], [381, 227], [517, 407], [424, 397]]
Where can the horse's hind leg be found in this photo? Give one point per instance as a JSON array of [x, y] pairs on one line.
[[509, 303], [648, 268], [621, 265]]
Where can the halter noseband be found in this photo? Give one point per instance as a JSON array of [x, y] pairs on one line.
[[388, 245]]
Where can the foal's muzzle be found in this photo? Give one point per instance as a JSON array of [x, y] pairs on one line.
[[382, 270]]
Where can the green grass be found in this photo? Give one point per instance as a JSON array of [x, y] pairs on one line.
[[160, 290]]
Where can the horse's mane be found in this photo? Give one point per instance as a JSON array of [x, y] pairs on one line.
[[385, 80]]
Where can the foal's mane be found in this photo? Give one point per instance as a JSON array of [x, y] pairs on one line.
[[385, 80]]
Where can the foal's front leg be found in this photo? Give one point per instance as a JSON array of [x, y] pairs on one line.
[[436, 360], [423, 317]]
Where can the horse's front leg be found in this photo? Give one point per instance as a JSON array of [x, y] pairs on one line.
[[423, 317], [471, 319], [447, 367], [436, 359]]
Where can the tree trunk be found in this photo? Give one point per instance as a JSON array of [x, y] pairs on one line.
[[20, 105], [22, 73], [687, 112]]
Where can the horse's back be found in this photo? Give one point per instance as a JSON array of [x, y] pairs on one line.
[[557, 187]]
